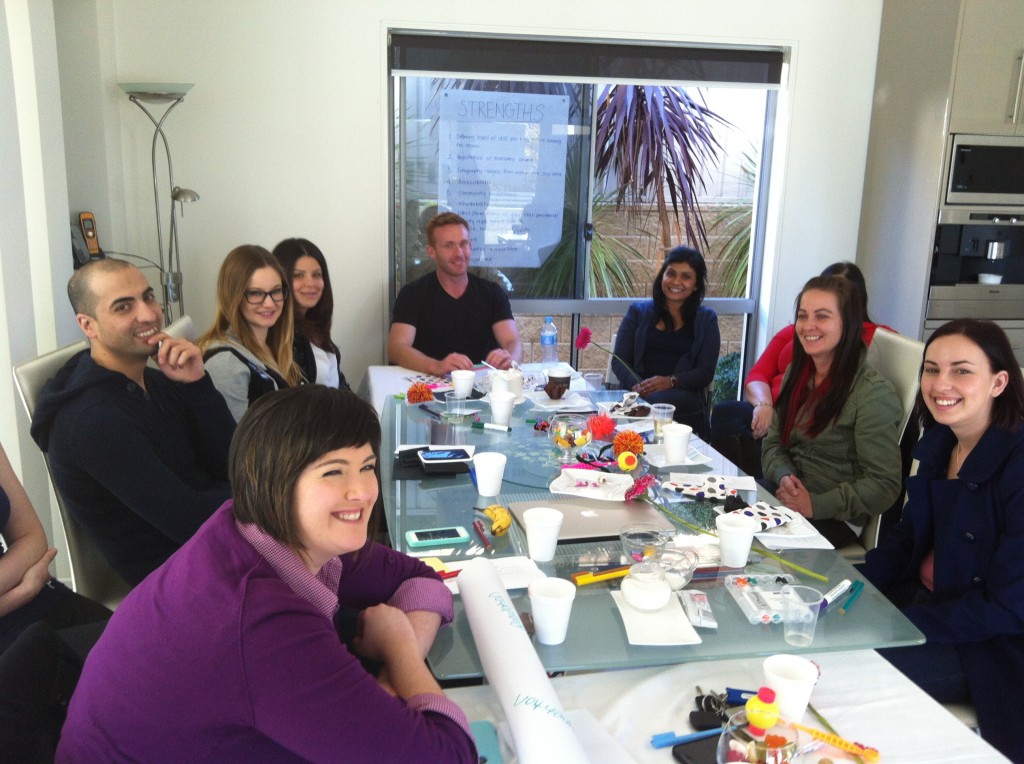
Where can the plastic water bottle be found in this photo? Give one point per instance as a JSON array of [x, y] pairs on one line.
[[549, 342]]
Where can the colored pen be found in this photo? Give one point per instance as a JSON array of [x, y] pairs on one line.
[[834, 593], [585, 577], [666, 739], [478, 526], [855, 591], [490, 426], [425, 407]]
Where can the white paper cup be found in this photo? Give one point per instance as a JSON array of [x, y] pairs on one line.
[[735, 535], [489, 468], [499, 382], [462, 381], [793, 679], [515, 383], [542, 526], [800, 608], [551, 603], [502, 403], [677, 442]]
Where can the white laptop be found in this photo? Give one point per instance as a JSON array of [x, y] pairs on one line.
[[594, 520]]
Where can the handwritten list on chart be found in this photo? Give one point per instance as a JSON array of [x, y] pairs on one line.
[[501, 165]]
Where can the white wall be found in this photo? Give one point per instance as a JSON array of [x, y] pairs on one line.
[[903, 179], [33, 227], [285, 132]]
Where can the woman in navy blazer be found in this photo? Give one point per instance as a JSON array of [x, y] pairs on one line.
[[955, 562], [671, 342]]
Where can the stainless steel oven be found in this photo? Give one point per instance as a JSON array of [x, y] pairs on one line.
[[1002, 303], [986, 170]]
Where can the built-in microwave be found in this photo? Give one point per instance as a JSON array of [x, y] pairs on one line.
[[986, 170]]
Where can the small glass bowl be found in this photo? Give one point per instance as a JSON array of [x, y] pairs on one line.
[[646, 588], [642, 542], [678, 565], [778, 745]]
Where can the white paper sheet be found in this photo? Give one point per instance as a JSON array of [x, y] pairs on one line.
[[668, 626], [540, 727], [515, 572]]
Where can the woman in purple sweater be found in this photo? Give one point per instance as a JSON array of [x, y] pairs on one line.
[[230, 651]]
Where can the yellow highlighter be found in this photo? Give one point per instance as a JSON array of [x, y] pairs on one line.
[[585, 577]]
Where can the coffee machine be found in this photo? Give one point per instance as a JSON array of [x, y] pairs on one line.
[[978, 271]]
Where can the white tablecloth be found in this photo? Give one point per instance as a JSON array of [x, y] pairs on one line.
[[859, 693]]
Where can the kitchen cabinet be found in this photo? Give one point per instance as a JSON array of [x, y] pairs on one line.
[[988, 86]]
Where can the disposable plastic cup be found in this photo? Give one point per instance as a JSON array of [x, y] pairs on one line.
[[677, 442], [502, 403], [800, 607], [462, 381], [793, 679], [455, 408], [542, 526], [735, 535], [594, 380], [489, 468], [661, 413], [551, 602]]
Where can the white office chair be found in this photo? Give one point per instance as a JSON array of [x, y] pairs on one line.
[[183, 328], [898, 359], [91, 575]]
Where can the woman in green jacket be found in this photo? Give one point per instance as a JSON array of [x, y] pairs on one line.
[[832, 451]]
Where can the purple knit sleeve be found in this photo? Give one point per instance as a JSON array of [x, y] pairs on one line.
[[439, 704], [424, 594]]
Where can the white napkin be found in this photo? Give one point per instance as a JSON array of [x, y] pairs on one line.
[[668, 626]]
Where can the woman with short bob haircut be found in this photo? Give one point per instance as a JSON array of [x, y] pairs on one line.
[[954, 564], [672, 341], [249, 643], [315, 353], [832, 450], [248, 350]]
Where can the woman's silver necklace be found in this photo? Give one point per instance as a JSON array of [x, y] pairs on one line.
[[959, 458]]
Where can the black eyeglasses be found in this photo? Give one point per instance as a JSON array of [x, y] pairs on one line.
[[257, 296]]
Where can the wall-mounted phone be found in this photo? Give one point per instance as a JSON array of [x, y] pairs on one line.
[[85, 241]]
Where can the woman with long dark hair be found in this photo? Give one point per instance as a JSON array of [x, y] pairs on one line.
[[281, 631], [738, 427], [313, 350], [671, 341], [954, 563], [832, 449]]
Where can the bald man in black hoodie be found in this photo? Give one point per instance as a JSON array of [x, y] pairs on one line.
[[138, 454]]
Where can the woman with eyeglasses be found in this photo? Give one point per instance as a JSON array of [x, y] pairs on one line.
[[315, 353], [248, 350]]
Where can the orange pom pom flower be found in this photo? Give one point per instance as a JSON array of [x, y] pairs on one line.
[[418, 392], [628, 440]]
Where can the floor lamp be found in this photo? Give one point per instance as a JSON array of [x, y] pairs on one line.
[[170, 271]]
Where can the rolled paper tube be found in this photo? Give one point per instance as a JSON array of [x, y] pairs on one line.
[[540, 729]]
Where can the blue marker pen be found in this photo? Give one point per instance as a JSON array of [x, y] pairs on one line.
[[835, 593]]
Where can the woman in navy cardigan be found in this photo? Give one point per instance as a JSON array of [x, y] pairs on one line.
[[955, 562], [669, 344]]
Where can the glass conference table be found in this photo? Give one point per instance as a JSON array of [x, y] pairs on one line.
[[596, 638]]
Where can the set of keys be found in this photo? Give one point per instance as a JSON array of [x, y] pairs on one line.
[[714, 708]]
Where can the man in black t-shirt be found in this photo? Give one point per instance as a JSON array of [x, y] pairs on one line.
[[451, 319]]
